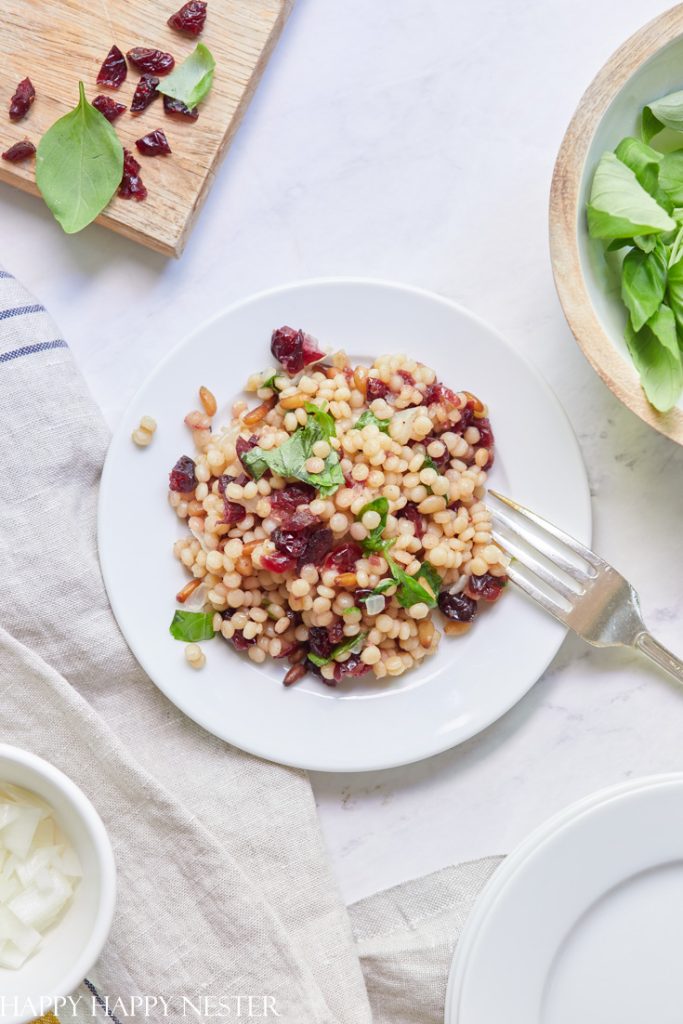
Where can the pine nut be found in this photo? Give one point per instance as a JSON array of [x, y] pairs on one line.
[[189, 588], [295, 673], [208, 401], [259, 413], [296, 401]]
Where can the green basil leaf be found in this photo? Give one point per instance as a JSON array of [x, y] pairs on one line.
[[643, 161], [191, 81], [428, 573], [620, 207], [374, 542], [324, 420], [429, 463], [657, 357], [643, 283], [381, 588], [270, 383], [192, 626], [289, 459], [410, 591], [671, 177], [674, 291], [79, 165], [666, 112], [369, 417], [352, 645]]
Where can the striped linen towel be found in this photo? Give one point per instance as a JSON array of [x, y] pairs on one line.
[[224, 889]]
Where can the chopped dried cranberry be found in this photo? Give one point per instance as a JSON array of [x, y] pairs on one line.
[[344, 557], [465, 421], [407, 377], [240, 642], [154, 61], [176, 108], [486, 587], [353, 667], [190, 18], [335, 631], [319, 641], [457, 606], [376, 388], [132, 186], [226, 479], [19, 151], [232, 512], [145, 93], [292, 544], [20, 104], [108, 107], [410, 512], [486, 438], [438, 392], [318, 544], [277, 562], [294, 349], [243, 445], [290, 505], [228, 613], [114, 69], [287, 650], [182, 477], [153, 144]]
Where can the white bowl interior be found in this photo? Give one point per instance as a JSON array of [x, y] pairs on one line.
[[75, 940], [661, 74]]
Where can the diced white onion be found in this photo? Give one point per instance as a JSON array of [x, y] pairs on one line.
[[39, 870], [375, 604], [459, 586]]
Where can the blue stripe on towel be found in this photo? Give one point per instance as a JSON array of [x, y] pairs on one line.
[[7, 314], [27, 350], [3, 273], [100, 1001]]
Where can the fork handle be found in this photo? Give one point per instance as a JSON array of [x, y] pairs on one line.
[[652, 648]]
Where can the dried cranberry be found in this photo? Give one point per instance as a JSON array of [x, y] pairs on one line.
[[410, 512], [114, 69], [407, 377], [486, 439], [19, 151], [145, 93], [108, 107], [344, 557], [376, 388], [228, 613], [292, 544], [20, 104], [190, 18], [226, 479], [294, 349], [318, 544], [131, 186], [153, 61], [319, 641], [457, 606], [240, 642], [290, 506], [486, 587], [352, 667], [465, 421], [232, 512], [335, 631], [438, 392], [277, 562], [176, 108], [242, 445], [153, 144], [182, 477]]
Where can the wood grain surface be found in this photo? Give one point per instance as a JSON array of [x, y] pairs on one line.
[[566, 209], [58, 42]]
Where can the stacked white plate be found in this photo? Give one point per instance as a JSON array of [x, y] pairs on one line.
[[583, 924]]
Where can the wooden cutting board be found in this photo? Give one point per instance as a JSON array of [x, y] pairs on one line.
[[58, 42]]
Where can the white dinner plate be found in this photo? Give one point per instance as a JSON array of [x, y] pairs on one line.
[[584, 921], [363, 724]]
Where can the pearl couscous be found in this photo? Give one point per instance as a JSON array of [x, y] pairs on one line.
[[328, 521]]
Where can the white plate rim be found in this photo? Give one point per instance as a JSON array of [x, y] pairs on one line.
[[504, 874], [436, 746]]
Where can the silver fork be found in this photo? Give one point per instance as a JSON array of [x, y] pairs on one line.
[[574, 584]]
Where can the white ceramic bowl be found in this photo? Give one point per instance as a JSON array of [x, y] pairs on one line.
[[647, 66], [71, 947]]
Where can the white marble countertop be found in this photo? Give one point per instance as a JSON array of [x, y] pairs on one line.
[[414, 140]]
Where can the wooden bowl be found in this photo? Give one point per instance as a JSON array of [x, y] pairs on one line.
[[648, 65]]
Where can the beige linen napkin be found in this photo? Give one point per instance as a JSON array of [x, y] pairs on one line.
[[224, 886]]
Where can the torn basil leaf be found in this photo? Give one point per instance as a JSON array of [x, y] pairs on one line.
[[657, 356], [191, 627], [289, 459], [410, 591], [374, 542], [369, 417], [643, 283], [619, 206], [666, 112], [191, 81]]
